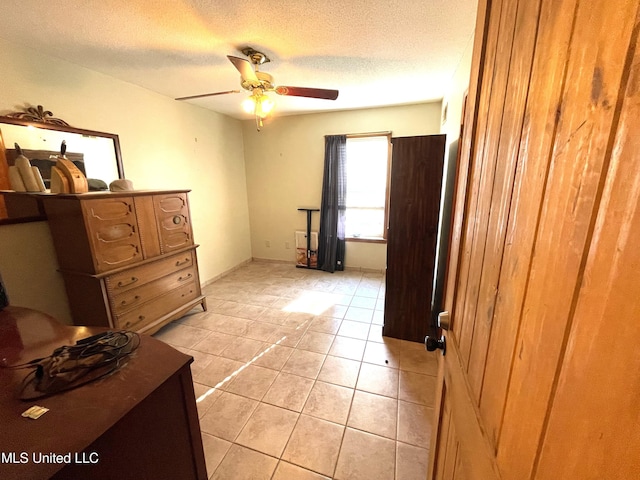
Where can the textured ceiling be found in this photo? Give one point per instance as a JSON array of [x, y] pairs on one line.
[[377, 53]]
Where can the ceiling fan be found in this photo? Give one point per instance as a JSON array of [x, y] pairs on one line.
[[258, 83]]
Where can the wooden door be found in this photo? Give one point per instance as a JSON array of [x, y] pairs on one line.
[[540, 379], [414, 205], [5, 184]]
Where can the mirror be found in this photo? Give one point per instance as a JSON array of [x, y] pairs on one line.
[[97, 154]]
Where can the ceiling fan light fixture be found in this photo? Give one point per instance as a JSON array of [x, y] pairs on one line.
[[264, 106], [258, 104], [249, 105]]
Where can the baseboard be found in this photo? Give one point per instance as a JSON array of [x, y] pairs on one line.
[[289, 262], [273, 260], [226, 272], [282, 262], [365, 269]]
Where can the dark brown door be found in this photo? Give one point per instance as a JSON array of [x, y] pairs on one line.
[[414, 205]]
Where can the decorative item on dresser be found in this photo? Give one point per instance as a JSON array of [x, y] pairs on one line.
[[128, 258], [95, 154]]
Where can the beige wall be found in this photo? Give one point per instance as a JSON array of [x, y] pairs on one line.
[[454, 98], [452, 116], [284, 164], [169, 144], [29, 269], [165, 144]]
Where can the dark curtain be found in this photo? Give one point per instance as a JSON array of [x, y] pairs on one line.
[[331, 242]]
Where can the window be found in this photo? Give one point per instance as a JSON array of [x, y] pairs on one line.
[[367, 186]]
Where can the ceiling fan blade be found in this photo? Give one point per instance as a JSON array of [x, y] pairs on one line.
[[308, 92], [208, 95], [245, 69]]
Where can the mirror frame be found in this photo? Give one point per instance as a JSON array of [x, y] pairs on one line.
[[48, 124]]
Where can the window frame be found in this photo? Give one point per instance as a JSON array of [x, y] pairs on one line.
[[385, 228]]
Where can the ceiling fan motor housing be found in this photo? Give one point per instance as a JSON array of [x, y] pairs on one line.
[[265, 82]]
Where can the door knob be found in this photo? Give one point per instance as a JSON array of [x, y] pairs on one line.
[[432, 344], [443, 320]]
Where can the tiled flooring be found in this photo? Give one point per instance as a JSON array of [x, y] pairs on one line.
[[294, 380]]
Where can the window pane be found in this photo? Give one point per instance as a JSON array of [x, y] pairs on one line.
[[366, 171], [367, 159], [364, 222]]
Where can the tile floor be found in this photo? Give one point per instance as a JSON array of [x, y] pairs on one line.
[[294, 380]]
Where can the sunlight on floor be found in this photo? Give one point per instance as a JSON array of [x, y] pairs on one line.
[[308, 302], [291, 372], [314, 303]]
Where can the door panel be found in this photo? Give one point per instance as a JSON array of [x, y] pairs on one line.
[[446, 432], [475, 322], [538, 131], [414, 200], [543, 277], [605, 329], [471, 120], [475, 452], [578, 158], [475, 150], [506, 146], [5, 184], [449, 462]]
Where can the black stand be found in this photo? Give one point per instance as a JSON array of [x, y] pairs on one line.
[[309, 212]]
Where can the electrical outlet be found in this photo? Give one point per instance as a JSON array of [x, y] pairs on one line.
[[267, 243], [287, 245]]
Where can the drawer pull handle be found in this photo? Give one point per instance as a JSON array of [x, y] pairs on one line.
[[135, 299], [182, 279], [185, 294], [176, 220], [141, 317], [179, 263], [130, 282]]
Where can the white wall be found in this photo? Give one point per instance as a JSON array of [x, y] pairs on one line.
[[284, 164], [164, 143]]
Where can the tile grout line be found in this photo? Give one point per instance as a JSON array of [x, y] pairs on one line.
[[245, 424], [312, 285], [344, 432]]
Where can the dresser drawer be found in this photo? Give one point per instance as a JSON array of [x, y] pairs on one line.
[[138, 276], [112, 228], [151, 311], [137, 296], [174, 224]]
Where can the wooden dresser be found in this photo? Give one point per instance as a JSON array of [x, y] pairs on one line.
[[128, 259], [141, 422]]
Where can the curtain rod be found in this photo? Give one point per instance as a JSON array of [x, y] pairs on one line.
[[367, 134]]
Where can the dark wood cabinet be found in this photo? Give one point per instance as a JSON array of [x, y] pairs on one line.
[[128, 259], [414, 206]]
